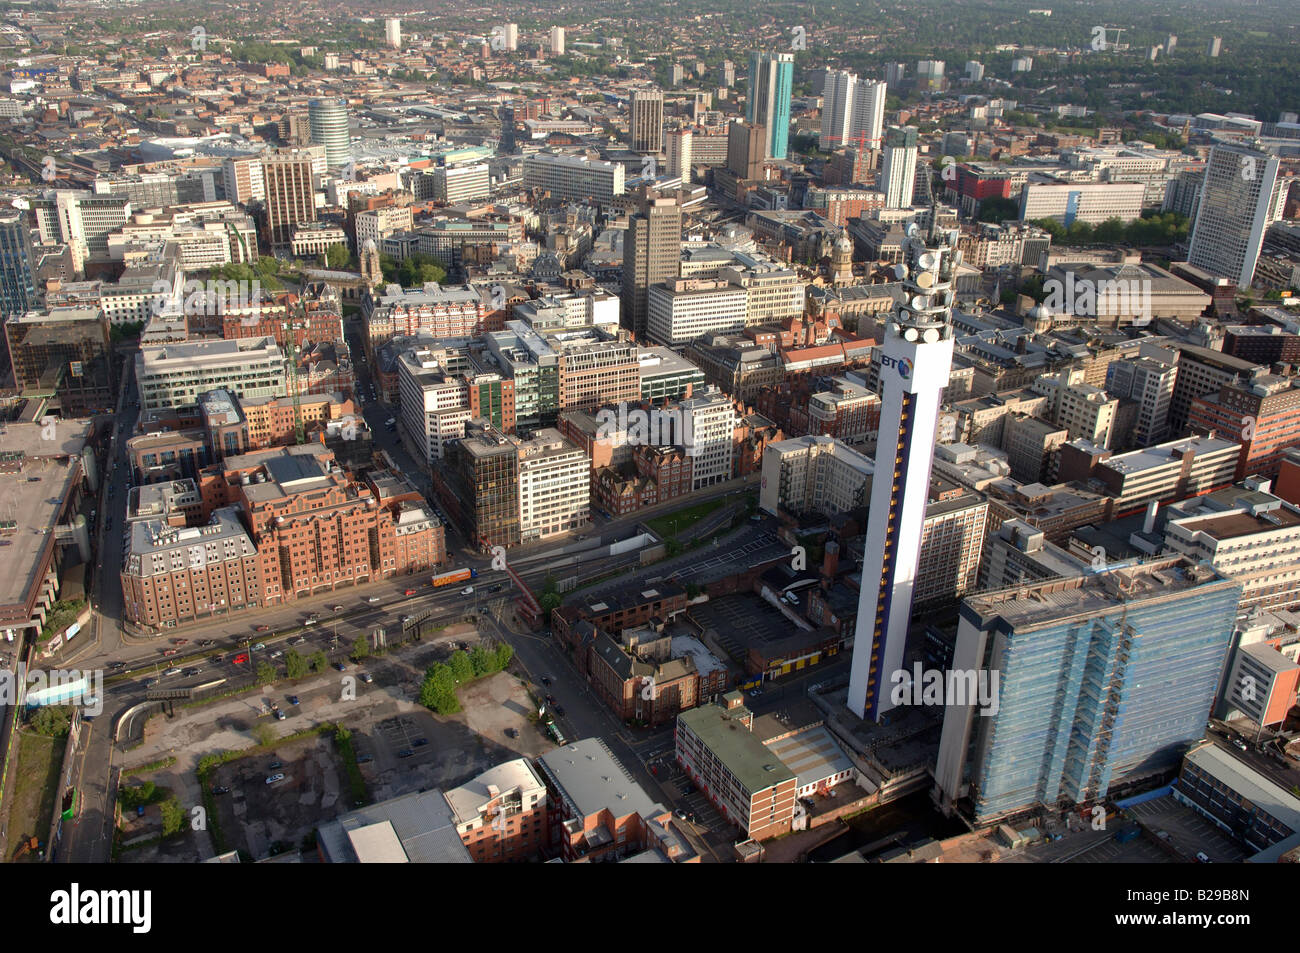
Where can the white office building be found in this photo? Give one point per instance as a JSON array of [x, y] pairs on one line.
[[174, 375], [435, 405], [813, 474], [574, 178], [1072, 202], [554, 486], [1239, 200], [709, 426], [682, 309], [898, 167]]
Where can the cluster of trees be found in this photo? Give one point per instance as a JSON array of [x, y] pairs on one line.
[[297, 665], [53, 721], [266, 270], [438, 692], [146, 793], [1160, 228], [416, 271]]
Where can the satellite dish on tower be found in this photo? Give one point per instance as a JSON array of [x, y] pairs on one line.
[[924, 279], [900, 271], [920, 302], [910, 231], [931, 335], [911, 334], [926, 261]]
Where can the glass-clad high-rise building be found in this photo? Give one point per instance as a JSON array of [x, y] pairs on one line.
[[17, 264], [767, 104], [1101, 679], [328, 119]]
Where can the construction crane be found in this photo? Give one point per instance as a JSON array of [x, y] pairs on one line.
[[860, 139]]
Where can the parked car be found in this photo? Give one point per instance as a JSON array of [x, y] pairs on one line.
[[419, 742], [169, 652], [467, 591], [195, 670], [405, 753], [204, 643], [512, 733], [367, 677], [279, 716], [410, 592], [338, 608], [277, 653], [293, 699], [262, 628], [340, 666], [275, 778], [311, 620], [259, 647], [275, 764], [172, 671], [221, 789], [180, 641], [546, 679], [373, 599], [298, 640]]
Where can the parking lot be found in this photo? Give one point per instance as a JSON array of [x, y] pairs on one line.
[[1188, 831], [495, 725], [257, 816]]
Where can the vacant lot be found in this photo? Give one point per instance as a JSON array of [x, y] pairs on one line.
[[32, 807]]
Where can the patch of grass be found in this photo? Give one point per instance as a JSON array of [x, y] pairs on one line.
[[62, 614], [343, 739], [670, 524], [40, 759], [166, 762]]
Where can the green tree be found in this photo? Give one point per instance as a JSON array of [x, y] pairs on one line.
[[173, 817], [462, 669], [265, 673], [319, 661], [481, 661], [53, 721], [360, 648], [337, 257], [503, 654], [264, 735], [438, 691], [295, 666]]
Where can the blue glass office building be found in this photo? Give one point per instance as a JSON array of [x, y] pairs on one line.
[[1102, 678], [767, 103], [17, 266]]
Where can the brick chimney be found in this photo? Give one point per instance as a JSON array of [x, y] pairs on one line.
[[830, 563]]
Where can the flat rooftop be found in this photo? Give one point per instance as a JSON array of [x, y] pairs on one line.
[[748, 760], [588, 776], [33, 498], [1051, 602]]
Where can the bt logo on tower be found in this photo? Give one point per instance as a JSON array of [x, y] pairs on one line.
[[904, 365]]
